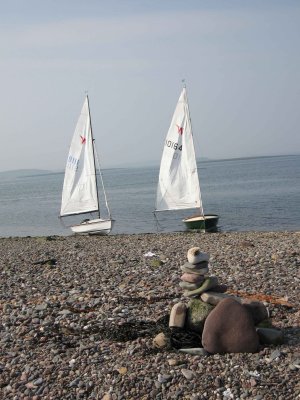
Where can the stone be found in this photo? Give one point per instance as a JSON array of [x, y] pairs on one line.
[[189, 286], [163, 378], [192, 278], [257, 309], [160, 341], [229, 328], [187, 373], [220, 288], [195, 351], [195, 256], [270, 336], [122, 370], [197, 312], [172, 362], [156, 262], [177, 315], [214, 298], [41, 307], [107, 396], [266, 323], [275, 355], [209, 283], [197, 266], [202, 271]]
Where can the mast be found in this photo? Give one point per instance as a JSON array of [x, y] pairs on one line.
[[87, 97], [189, 116]]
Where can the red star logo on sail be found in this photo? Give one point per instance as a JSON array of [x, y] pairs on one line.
[[83, 139], [180, 129]]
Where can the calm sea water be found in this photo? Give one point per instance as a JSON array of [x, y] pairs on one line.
[[254, 194]]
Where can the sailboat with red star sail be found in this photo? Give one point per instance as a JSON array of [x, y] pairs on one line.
[[178, 184], [80, 188]]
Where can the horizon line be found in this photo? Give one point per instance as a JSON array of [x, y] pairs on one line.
[[152, 163]]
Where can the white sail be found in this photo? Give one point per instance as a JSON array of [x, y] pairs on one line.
[[80, 188], [178, 186]]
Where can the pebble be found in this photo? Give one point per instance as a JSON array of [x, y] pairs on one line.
[[188, 374]]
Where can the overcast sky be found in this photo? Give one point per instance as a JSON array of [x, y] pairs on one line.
[[240, 59]]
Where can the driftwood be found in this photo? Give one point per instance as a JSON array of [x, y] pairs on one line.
[[261, 297]]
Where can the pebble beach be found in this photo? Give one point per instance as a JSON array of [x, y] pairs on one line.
[[79, 314]]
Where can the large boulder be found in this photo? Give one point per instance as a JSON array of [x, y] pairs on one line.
[[257, 309], [229, 328], [197, 313]]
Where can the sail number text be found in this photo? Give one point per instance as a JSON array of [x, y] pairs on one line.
[[173, 145], [73, 162]]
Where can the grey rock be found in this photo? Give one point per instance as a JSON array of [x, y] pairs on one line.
[[41, 307], [163, 378], [187, 373], [198, 271], [270, 336], [196, 351], [275, 354], [214, 298], [189, 286], [64, 312]]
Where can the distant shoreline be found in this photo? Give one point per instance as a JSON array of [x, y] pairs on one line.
[[28, 172], [117, 236]]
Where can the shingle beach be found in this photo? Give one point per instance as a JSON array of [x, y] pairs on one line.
[[79, 315]]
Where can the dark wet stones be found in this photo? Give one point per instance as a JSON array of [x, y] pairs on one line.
[[270, 336]]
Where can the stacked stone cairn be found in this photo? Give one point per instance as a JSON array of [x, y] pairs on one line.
[[223, 323], [195, 279]]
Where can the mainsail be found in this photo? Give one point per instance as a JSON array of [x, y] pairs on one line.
[[178, 186], [80, 187]]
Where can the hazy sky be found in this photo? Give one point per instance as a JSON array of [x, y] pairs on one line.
[[240, 59]]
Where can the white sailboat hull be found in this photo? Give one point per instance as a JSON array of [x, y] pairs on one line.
[[94, 227]]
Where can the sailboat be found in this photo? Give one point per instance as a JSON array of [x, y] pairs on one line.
[[80, 188], [178, 184]]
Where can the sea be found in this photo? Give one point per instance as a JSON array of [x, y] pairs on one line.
[[248, 194]]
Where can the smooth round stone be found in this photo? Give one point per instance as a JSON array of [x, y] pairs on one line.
[[192, 278], [201, 265], [195, 256], [177, 315], [160, 340], [229, 328], [202, 271], [190, 286]]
